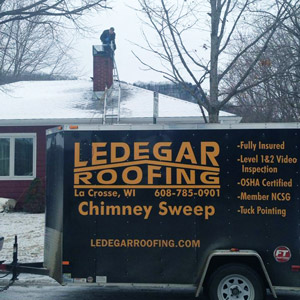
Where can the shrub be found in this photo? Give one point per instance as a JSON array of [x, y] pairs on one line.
[[35, 197]]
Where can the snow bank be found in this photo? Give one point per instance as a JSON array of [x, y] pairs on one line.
[[7, 205]]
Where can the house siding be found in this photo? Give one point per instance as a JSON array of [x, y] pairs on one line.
[[16, 189]]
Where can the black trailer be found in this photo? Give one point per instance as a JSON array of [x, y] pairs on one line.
[[201, 206]]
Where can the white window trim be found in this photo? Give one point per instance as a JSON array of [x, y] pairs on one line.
[[12, 137]]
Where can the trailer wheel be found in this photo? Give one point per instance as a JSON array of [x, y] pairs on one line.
[[236, 282]]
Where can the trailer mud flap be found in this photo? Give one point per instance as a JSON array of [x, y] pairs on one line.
[[53, 253]]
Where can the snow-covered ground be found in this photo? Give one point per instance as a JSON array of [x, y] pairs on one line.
[[30, 230]]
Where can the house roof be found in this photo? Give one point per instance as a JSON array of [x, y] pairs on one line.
[[73, 101]]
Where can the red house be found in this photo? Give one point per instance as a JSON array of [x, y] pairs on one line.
[[29, 108]]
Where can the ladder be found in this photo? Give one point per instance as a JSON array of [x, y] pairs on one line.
[[111, 109]]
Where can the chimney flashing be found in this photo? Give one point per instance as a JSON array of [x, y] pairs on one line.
[[101, 50]]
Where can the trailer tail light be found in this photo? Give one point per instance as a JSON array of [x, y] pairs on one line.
[[295, 268], [2, 266], [234, 250], [65, 263], [73, 127]]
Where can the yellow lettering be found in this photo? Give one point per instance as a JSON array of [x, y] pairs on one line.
[[137, 179], [152, 174], [210, 154], [84, 177], [77, 162], [162, 209], [111, 172], [96, 154], [138, 151], [93, 209], [80, 208], [186, 147], [198, 210], [124, 157], [162, 154], [187, 210], [182, 173], [168, 175], [209, 211], [210, 177]]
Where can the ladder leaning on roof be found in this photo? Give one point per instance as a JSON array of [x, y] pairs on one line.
[[109, 109]]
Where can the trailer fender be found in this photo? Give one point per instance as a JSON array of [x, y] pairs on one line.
[[235, 253]]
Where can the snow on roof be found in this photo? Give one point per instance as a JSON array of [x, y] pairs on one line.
[[46, 100], [75, 99]]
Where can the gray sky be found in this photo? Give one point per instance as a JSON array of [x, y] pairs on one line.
[[128, 28]]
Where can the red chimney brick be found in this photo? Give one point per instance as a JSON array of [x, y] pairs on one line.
[[103, 69]]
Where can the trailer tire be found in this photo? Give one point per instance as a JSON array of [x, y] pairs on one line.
[[236, 282]]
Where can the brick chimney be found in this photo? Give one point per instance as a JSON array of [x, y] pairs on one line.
[[103, 68]]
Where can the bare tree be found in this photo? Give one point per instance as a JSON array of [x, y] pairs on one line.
[[225, 21], [29, 48], [53, 9], [33, 38], [278, 97]]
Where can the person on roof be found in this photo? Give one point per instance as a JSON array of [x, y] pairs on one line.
[[108, 38]]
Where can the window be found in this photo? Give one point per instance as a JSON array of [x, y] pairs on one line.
[[4, 157], [17, 156]]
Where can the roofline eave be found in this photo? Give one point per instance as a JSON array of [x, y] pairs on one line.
[[126, 120]]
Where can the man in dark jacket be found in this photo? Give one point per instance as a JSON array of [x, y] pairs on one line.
[[108, 37]]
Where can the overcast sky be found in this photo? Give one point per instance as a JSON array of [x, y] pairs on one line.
[[128, 29]]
